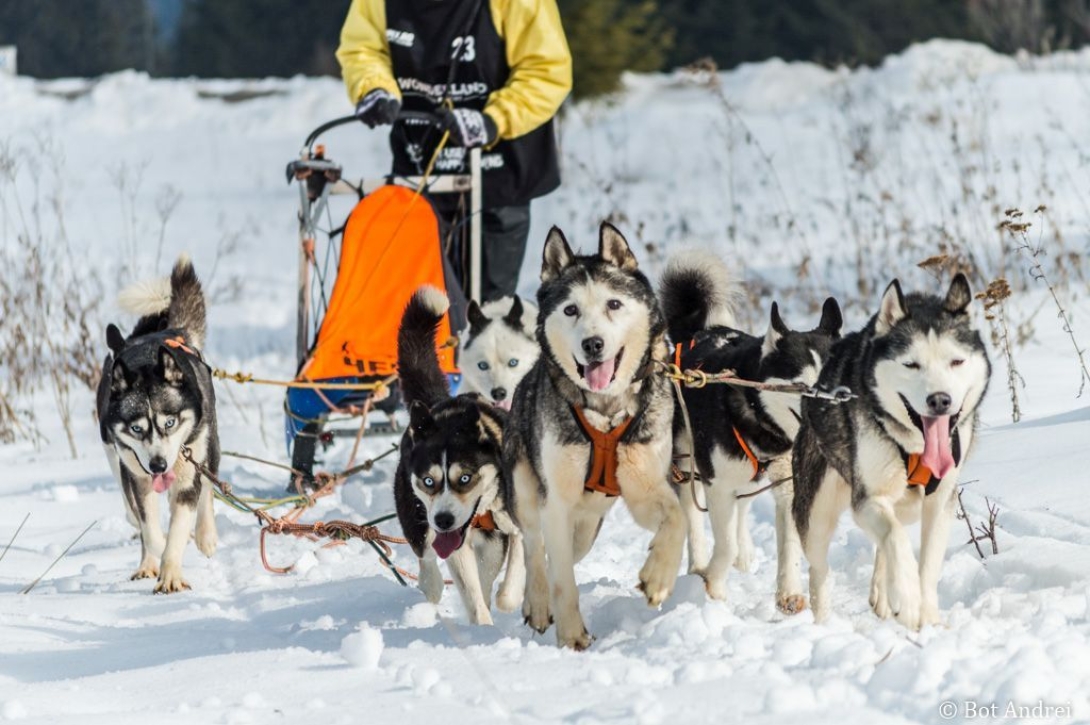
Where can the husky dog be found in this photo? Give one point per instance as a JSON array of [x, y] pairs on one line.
[[447, 487], [589, 423], [738, 434], [894, 453], [499, 348], [155, 396]]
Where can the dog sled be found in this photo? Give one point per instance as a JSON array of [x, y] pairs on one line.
[[356, 278]]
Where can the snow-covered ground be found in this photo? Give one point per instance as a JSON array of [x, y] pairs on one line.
[[810, 181]]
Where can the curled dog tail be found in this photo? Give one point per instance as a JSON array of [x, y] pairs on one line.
[[175, 302], [417, 360], [697, 291]]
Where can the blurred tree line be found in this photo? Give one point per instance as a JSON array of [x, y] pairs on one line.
[[256, 38]]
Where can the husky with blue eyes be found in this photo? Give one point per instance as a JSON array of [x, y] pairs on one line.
[[499, 348], [447, 487], [155, 396]]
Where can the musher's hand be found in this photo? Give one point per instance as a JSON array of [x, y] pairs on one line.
[[378, 108], [468, 128]]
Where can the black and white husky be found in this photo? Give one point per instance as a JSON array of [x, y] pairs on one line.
[[895, 452], [155, 396], [590, 424], [499, 348], [740, 436], [447, 487]]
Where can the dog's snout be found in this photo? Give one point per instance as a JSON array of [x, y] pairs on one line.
[[939, 403], [593, 346], [444, 521], [499, 394], [158, 464]]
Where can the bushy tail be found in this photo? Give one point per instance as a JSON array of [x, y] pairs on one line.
[[417, 361], [175, 302], [697, 291]]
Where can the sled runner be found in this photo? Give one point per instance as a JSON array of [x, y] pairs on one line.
[[355, 280]]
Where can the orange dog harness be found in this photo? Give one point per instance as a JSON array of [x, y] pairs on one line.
[[603, 457]]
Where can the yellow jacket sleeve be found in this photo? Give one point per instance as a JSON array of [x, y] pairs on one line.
[[540, 63], [364, 54]]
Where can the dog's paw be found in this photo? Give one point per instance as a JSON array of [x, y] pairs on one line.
[[508, 600], [578, 641], [715, 587], [536, 617], [743, 561], [656, 580], [904, 603], [791, 603], [146, 571], [171, 581], [207, 540], [480, 617], [929, 614]]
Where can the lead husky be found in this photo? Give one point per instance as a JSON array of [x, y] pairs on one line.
[[499, 348], [740, 434], [154, 396], [600, 331], [895, 452], [450, 501]]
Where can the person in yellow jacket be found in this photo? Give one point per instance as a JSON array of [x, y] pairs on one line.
[[496, 71]]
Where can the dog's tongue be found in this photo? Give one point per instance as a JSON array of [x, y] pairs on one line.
[[161, 481], [599, 374], [936, 445], [504, 405], [446, 543]]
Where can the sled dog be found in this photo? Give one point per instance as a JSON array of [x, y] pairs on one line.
[[155, 396], [894, 453], [447, 487], [741, 437], [499, 348], [590, 424]]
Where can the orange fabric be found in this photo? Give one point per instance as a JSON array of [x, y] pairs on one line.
[[918, 474], [603, 472], [749, 454], [484, 522], [391, 247], [178, 343]]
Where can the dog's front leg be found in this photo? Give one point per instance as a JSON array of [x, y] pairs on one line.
[[183, 509], [535, 603], [938, 512], [152, 541], [694, 518], [512, 589], [723, 511], [789, 595], [559, 533], [655, 507], [467, 577], [879, 597], [430, 580], [877, 517], [818, 518], [206, 536]]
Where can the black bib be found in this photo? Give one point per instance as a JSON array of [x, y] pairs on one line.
[[436, 43]]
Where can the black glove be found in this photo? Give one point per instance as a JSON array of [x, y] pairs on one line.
[[468, 128], [378, 108]]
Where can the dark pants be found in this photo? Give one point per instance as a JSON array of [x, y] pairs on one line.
[[504, 231]]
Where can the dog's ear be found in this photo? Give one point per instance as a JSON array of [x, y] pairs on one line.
[[477, 319], [514, 315], [892, 309], [557, 255], [613, 248], [169, 369], [119, 378], [831, 319], [958, 296], [776, 330], [114, 339], [421, 422]]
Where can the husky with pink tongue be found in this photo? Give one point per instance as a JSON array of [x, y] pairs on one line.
[[894, 453], [156, 396], [447, 488], [591, 425]]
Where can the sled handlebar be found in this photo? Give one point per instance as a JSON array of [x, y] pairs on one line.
[[345, 120]]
